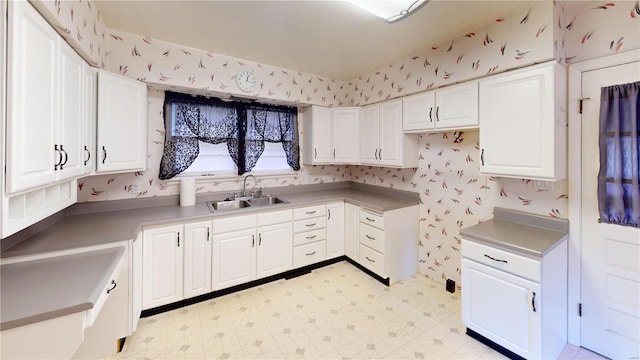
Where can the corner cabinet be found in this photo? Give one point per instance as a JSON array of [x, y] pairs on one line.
[[523, 123], [383, 142], [450, 108], [331, 135], [122, 124]]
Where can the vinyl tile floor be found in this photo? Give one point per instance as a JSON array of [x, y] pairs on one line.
[[335, 312]]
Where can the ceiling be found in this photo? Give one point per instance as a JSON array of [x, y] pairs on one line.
[[329, 38]]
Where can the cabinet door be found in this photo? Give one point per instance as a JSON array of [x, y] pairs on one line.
[[234, 258], [517, 123], [322, 148], [346, 136], [32, 93], [89, 120], [391, 136], [418, 112], [197, 258], [457, 106], [122, 124], [72, 123], [162, 266], [370, 129], [335, 230], [502, 307], [136, 277], [352, 231], [275, 249]]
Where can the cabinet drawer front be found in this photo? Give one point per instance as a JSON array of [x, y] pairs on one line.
[[233, 224], [275, 217], [372, 260], [372, 219], [309, 212], [501, 259], [309, 253], [309, 224], [309, 236], [372, 237]]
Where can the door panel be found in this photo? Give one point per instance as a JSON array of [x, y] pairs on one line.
[[234, 258], [275, 249]]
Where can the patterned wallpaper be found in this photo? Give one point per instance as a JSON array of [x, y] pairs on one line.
[[453, 194]]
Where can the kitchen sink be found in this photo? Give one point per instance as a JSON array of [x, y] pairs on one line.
[[227, 205], [266, 200]]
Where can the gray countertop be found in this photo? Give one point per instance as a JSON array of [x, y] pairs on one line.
[[526, 234], [38, 290]]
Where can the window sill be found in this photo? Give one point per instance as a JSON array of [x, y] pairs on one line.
[[211, 178]]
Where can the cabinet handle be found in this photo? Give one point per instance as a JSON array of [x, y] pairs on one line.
[[311, 254], [494, 259], [311, 237], [370, 219], [366, 257], [310, 212], [88, 155], [66, 157], [380, 154], [430, 114], [334, 153], [178, 238], [438, 113], [260, 239], [316, 153], [113, 282], [104, 151], [482, 157], [533, 302], [208, 231], [370, 238], [310, 225], [329, 212], [253, 241], [55, 166]]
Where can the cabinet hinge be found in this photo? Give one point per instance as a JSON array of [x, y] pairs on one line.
[[580, 309]]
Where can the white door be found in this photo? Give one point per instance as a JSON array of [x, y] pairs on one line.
[[418, 111], [610, 268], [322, 135], [370, 129], [275, 249], [391, 136], [89, 120], [457, 106], [346, 136], [162, 252], [234, 258], [71, 125], [197, 258], [352, 231], [32, 92], [335, 230]]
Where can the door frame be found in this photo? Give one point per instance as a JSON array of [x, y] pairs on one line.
[[574, 121]]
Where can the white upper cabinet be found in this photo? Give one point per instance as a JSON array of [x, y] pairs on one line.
[[331, 135], [44, 109], [383, 142], [522, 123], [122, 124], [449, 108], [89, 132]]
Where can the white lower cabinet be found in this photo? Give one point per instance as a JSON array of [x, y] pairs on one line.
[[352, 231], [518, 302], [275, 243], [335, 229], [166, 251], [234, 258], [310, 238]]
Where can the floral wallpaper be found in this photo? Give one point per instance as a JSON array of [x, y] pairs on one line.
[[453, 193], [80, 24]]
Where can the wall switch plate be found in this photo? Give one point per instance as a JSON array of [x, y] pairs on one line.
[[451, 286]]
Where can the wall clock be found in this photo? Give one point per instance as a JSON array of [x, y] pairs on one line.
[[246, 80]]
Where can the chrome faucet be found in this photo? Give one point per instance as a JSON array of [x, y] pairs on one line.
[[244, 185]]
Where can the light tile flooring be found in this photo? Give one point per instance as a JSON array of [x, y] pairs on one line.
[[336, 312]]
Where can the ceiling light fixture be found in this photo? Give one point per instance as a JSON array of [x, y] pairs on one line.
[[390, 10]]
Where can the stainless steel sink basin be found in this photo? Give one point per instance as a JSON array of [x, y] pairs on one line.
[[265, 200], [227, 205]]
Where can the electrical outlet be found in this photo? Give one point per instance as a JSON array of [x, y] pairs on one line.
[[135, 189], [541, 185]]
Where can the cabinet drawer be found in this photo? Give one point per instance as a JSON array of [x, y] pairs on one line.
[[274, 217], [309, 212], [372, 237], [309, 224], [309, 253], [372, 219], [502, 260], [234, 223], [309, 236], [372, 260]]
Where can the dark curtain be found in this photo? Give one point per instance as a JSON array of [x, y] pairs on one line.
[[618, 186], [243, 127]]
